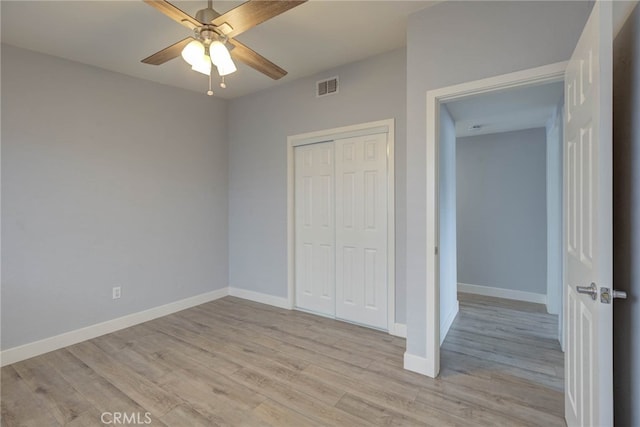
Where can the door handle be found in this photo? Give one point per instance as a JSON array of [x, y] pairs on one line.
[[589, 290], [618, 294], [606, 295]]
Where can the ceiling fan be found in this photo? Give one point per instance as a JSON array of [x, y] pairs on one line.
[[213, 41]]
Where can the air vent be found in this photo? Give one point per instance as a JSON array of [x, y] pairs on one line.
[[327, 87]]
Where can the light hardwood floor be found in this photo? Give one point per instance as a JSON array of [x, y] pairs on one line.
[[237, 363]]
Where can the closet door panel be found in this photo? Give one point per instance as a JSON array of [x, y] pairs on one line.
[[361, 230], [315, 228]]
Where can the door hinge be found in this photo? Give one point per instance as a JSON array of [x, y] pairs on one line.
[[436, 251]]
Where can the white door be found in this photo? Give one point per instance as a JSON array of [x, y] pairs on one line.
[[315, 228], [361, 230], [588, 224]]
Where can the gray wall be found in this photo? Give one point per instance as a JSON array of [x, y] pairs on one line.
[[454, 42], [502, 210], [106, 179], [447, 220], [259, 124], [626, 221]]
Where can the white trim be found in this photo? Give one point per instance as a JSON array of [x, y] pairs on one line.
[[260, 297], [381, 126], [446, 324], [531, 77], [419, 364], [398, 330], [391, 226], [534, 76], [361, 129], [26, 351], [512, 294]]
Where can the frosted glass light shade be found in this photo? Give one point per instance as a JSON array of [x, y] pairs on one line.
[[203, 65], [221, 58], [193, 52], [226, 68], [218, 52]]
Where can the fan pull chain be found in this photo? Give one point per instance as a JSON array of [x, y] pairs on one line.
[[209, 92], [223, 85]]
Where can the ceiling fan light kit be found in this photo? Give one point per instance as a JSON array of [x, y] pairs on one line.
[[213, 43], [200, 57]]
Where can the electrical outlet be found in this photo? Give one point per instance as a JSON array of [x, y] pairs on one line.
[[116, 292]]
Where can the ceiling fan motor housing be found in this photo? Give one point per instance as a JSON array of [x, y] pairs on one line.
[[206, 15]]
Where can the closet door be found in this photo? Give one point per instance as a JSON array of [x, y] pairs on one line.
[[361, 230], [315, 228]]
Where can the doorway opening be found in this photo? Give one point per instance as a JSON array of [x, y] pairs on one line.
[[441, 259]]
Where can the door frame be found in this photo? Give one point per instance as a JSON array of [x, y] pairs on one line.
[[430, 366], [381, 126]]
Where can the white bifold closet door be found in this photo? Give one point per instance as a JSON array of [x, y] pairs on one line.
[[315, 228], [341, 229], [361, 230]]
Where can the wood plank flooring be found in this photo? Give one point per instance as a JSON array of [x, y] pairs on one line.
[[237, 363]]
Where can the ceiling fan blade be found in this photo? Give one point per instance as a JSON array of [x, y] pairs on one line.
[[255, 60], [174, 13], [168, 53], [252, 13]]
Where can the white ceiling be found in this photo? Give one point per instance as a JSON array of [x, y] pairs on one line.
[[116, 35], [508, 110]]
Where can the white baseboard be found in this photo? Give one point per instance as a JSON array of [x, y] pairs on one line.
[[419, 364], [445, 324], [26, 351], [260, 297], [502, 293], [398, 330]]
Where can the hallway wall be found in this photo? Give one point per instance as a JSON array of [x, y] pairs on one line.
[[502, 211]]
